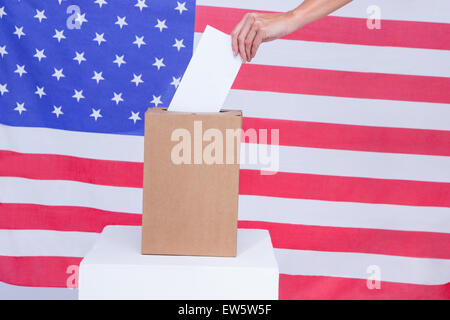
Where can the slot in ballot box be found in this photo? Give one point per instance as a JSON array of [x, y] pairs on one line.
[[115, 269], [191, 182]]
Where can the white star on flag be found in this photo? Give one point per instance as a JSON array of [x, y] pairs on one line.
[[20, 70], [139, 41], [57, 111], [119, 60], [98, 76], [40, 54], [100, 2], [20, 107], [96, 114], [78, 95], [3, 50], [2, 12], [181, 7], [59, 35], [99, 38], [117, 97], [159, 63], [175, 82], [79, 57], [156, 100], [40, 15], [40, 92], [81, 18], [141, 5], [3, 88], [179, 44], [161, 25], [121, 22], [137, 79], [134, 117], [58, 74], [19, 32]]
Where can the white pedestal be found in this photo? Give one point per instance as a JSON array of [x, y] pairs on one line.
[[115, 269]]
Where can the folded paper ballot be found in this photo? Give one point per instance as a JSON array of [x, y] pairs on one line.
[[209, 75]]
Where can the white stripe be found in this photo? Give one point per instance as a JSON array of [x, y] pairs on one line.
[[46, 243], [72, 143], [70, 193], [344, 214], [253, 208], [366, 112], [351, 57], [355, 265], [346, 163], [410, 10]]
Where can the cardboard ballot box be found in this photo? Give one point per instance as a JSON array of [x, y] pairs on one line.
[[191, 182]]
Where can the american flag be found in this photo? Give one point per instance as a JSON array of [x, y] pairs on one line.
[[363, 192]]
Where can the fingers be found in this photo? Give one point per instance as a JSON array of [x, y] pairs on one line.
[[255, 45], [247, 37], [243, 35], [249, 41], [235, 34]]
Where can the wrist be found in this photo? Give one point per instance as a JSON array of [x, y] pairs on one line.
[[297, 19]]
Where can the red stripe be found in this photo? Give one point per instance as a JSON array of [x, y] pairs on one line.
[[375, 241], [62, 218], [354, 137], [58, 167], [53, 272], [295, 287], [38, 271], [350, 189], [288, 236], [410, 34], [343, 83]]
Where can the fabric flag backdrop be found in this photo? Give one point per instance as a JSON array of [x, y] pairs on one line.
[[363, 190]]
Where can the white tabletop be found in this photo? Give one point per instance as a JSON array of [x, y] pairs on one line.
[[122, 245]]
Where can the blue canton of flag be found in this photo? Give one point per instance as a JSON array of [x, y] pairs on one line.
[[91, 65]]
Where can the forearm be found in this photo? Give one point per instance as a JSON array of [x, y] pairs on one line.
[[312, 10], [256, 28]]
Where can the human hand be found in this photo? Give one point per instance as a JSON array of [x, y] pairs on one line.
[[256, 28]]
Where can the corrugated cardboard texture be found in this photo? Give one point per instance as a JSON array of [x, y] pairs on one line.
[[188, 209]]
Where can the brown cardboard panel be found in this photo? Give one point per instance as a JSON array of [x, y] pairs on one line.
[[190, 208]]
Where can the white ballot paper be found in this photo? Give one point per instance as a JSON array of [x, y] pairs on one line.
[[209, 75]]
